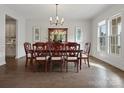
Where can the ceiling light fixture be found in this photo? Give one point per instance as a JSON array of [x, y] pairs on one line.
[[56, 21]]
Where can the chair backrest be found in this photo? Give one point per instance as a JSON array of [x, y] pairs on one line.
[[87, 48], [40, 49], [57, 49], [27, 47], [72, 49]]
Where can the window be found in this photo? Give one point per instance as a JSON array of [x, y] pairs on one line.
[[102, 35], [109, 35], [114, 35]]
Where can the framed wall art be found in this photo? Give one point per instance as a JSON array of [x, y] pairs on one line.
[[78, 34], [36, 34]]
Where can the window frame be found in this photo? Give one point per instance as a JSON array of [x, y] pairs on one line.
[[110, 34], [102, 23]]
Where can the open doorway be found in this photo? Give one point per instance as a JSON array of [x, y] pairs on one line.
[[10, 37]]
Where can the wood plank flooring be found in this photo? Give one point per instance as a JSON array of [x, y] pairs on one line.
[[99, 75]]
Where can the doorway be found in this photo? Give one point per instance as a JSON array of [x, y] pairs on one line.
[[10, 38]]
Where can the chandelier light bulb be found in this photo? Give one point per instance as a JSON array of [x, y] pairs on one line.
[[57, 18], [62, 20], [51, 19]]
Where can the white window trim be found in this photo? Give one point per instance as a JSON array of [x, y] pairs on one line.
[[109, 33], [102, 22]]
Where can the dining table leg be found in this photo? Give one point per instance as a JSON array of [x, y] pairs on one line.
[[31, 61], [80, 61]]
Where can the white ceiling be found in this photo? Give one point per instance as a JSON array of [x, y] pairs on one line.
[[68, 11]]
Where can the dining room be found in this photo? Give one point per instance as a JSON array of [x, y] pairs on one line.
[[64, 46]]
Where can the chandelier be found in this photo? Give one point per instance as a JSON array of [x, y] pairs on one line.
[[56, 20]]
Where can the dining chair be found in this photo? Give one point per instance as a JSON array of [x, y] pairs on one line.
[[85, 53], [56, 53], [27, 48], [72, 54], [41, 54]]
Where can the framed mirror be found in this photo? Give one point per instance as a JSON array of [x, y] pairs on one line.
[[57, 34]]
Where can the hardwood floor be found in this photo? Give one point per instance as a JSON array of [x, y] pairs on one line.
[[99, 75]]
